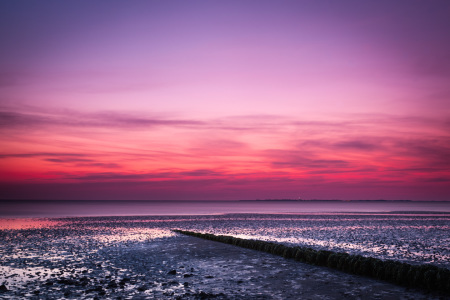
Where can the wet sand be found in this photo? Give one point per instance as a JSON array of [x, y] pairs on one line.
[[181, 267], [229, 272]]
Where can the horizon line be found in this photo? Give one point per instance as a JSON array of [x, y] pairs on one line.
[[233, 200]]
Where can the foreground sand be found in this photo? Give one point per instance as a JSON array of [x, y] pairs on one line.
[[227, 271], [142, 258], [181, 267]]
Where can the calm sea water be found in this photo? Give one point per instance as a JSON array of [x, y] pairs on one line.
[[38, 208]]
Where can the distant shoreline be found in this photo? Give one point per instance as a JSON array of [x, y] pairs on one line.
[[253, 200], [317, 200]]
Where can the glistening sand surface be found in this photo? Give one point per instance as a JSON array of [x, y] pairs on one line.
[[203, 269], [76, 259]]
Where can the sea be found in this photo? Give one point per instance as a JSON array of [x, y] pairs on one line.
[[64, 208]]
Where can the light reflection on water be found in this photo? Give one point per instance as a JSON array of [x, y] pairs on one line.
[[14, 224], [123, 234], [35, 208], [20, 276], [226, 217], [38, 250]]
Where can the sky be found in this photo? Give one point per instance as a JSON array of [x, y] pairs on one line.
[[225, 100]]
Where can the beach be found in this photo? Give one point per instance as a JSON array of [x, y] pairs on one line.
[[230, 149], [142, 258]]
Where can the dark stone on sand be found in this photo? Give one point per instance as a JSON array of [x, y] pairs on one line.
[[188, 275], [112, 284], [203, 295], [173, 272], [36, 292], [124, 280], [84, 281], [95, 289], [67, 281], [209, 276], [3, 288], [142, 288]]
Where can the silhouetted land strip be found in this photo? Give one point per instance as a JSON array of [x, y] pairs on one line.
[[427, 277], [325, 200]]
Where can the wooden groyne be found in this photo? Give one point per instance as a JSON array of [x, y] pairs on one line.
[[428, 277]]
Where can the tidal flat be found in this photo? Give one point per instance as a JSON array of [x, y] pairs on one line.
[[142, 258]]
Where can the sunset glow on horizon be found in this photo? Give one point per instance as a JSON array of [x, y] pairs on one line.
[[225, 100]]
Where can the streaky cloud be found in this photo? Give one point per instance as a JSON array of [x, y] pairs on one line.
[[10, 119], [43, 154], [355, 144]]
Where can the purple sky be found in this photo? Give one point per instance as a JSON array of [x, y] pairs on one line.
[[225, 99]]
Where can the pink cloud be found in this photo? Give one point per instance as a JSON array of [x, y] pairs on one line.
[[127, 147]]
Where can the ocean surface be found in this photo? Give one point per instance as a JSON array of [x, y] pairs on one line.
[[55, 208]]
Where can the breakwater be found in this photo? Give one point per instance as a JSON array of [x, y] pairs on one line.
[[423, 276]]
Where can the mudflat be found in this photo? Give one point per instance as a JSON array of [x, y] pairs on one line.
[[170, 267]]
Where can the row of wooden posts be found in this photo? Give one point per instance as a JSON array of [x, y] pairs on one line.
[[423, 276]]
